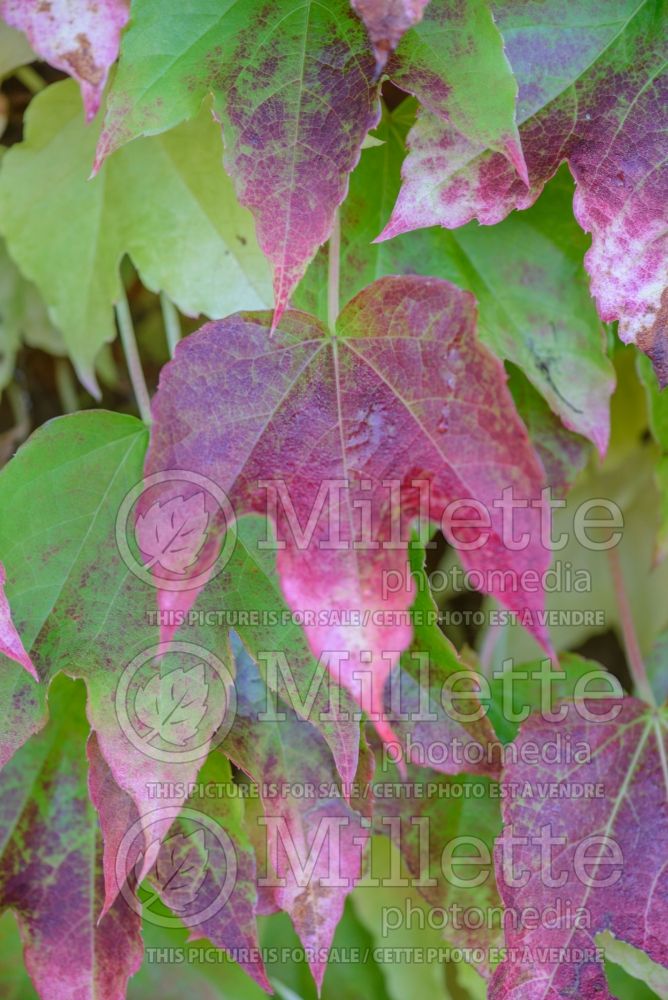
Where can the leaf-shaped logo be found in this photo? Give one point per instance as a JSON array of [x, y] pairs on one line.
[[173, 705], [172, 534], [180, 868]]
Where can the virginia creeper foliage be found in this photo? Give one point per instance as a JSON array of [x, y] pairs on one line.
[[333, 499]]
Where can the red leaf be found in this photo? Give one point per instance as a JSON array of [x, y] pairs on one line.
[[403, 392]]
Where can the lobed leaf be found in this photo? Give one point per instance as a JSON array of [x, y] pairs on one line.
[[403, 386]]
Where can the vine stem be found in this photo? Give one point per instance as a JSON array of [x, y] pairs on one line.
[[129, 341], [30, 79], [65, 386], [633, 654], [170, 318], [334, 273]]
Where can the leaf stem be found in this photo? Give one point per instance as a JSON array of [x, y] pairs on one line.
[[30, 79], [170, 318], [633, 654], [65, 386], [334, 273], [135, 371]]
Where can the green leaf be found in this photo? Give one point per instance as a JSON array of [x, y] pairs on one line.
[[23, 318], [14, 49], [453, 61], [166, 202], [636, 964]]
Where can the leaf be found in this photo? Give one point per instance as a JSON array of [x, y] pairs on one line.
[[605, 853], [401, 387], [453, 61], [172, 535], [564, 454], [294, 90], [634, 962], [80, 37], [526, 273], [23, 318], [203, 869], [81, 610], [10, 640], [164, 201], [315, 840], [386, 21], [173, 705], [657, 407], [51, 873], [590, 86], [433, 702], [14, 49]]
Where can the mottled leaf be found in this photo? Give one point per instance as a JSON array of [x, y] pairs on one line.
[[51, 874], [203, 869], [401, 388], [592, 85], [605, 853], [453, 61], [526, 273], [166, 202], [315, 840], [80, 37], [294, 90], [81, 610]]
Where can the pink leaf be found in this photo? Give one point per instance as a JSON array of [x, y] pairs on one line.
[[80, 37], [10, 640], [309, 429], [386, 22], [603, 854]]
